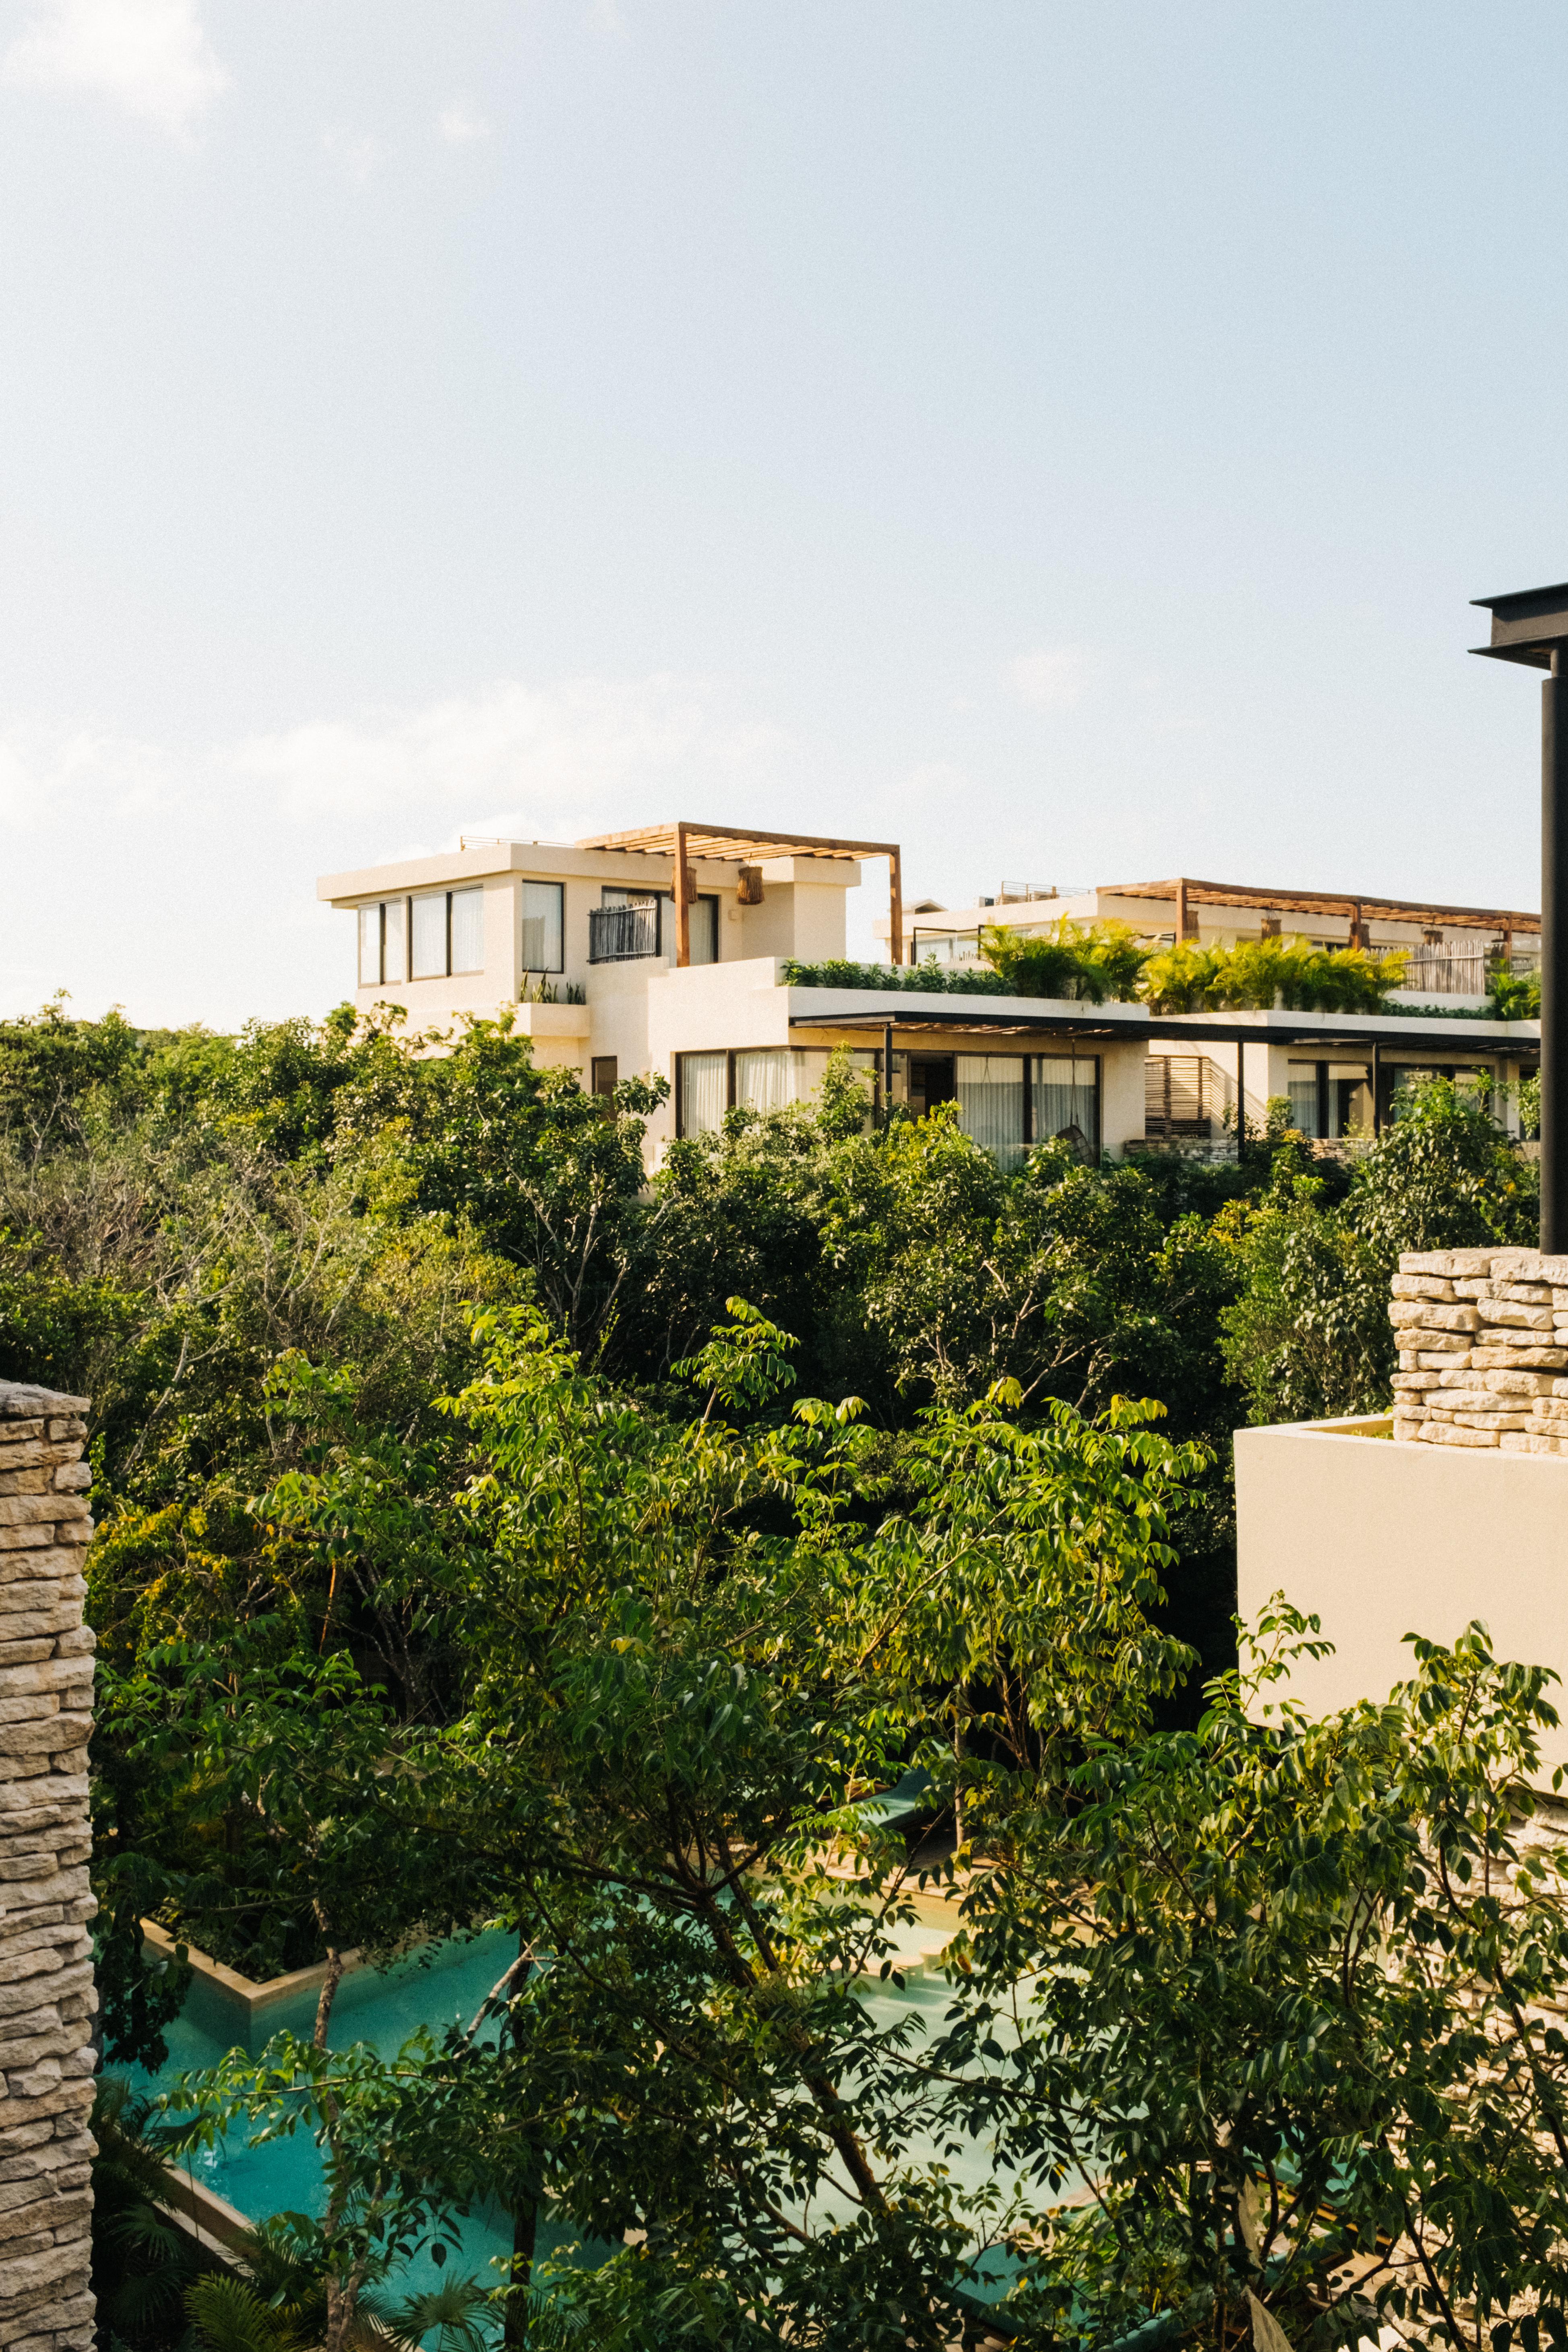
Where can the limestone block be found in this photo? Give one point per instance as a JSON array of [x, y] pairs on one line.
[[1513, 1383], [1529, 1442], [1493, 1421], [27, 1454], [1434, 1355], [1531, 1294], [1406, 1314], [1414, 1384], [1524, 1357], [1517, 1313], [1450, 1432], [1421, 1286], [1426, 1262]]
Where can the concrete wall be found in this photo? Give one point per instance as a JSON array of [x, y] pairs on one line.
[[1381, 1540], [46, 1997]]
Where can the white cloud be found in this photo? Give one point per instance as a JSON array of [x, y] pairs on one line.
[[548, 761], [186, 864], [461, 124], [1053, 678], [150, 57]]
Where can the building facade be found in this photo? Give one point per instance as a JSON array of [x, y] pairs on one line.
[[663, 951]]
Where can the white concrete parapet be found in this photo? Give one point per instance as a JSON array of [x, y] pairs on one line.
[[46, 1997]]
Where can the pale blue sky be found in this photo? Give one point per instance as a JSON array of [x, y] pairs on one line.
[[1063, 438]]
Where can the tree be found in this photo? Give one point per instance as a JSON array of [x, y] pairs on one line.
[[1286, 1994], [689, 1643]]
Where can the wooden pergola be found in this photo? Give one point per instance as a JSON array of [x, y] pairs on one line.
[[1500, 921], [746, 845]]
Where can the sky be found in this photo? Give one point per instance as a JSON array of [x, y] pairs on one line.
[[1062, 439]]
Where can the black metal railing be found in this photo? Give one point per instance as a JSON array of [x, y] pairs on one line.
[[620, 934]]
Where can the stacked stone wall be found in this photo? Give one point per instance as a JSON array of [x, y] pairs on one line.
[[1483, 1350], [46, 1997]]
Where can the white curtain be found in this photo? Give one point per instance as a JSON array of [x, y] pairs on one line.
[[1067, 1101], [430, 938], [369, 946], [540, 949], [1304, 1104], [764, 1079], [704, 1087], [991, 1102], [467, 931]]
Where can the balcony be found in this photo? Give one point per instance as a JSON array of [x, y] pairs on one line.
[[1434, 971], [623, 934]]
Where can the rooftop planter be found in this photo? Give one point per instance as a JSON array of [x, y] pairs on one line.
[[1101, 963]]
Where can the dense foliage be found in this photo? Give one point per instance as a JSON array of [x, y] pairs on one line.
[[1263, 973], [490, 1535]]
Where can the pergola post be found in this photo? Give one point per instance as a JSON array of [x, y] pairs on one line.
[[1531, 626], [1554, 958], [682, 902], [896, 905]]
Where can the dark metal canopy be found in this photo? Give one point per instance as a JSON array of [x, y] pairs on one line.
[[1424, 1037], [1528, 626]]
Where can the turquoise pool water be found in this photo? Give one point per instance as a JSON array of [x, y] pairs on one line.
[[444, 1986]]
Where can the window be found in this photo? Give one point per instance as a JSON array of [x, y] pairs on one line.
[[544, 927], [394, 940], [467, 931], [702, 1093], [1065, 1102], [602, 1074], [765, 1077], [703, 931], [1304, 1098], [382, 931], [446, 934], [991, 1102], [429, 926]]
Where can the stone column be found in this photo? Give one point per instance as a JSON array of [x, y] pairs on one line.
[[46, 1997]]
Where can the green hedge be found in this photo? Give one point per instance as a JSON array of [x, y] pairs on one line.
[[1107, 963]]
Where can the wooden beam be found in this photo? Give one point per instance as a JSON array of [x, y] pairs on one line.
[[895, 906], [658, 839], [1327, 902], [1181, 912], [682, 902]]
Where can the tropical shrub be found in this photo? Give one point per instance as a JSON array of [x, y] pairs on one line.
[[1514, 995], [1099, 962], [1261, 975]]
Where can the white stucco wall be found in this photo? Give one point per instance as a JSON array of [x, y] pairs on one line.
[[1381, 1540]]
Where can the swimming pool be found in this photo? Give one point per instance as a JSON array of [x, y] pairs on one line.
[[440, 1986]]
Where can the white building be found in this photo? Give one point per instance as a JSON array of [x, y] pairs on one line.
[[663, 950]]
